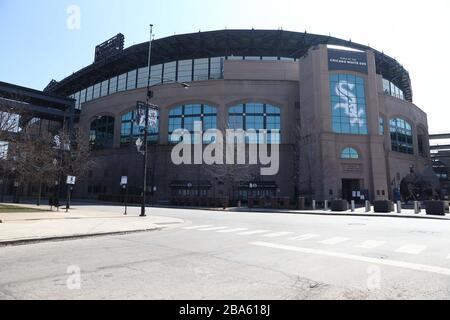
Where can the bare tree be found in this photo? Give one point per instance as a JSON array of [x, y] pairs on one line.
[[44, 159]]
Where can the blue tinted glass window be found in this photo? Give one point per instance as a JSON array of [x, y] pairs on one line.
[[185, 116], [102, 133], [349, 153], [256, 116], [237, 109], [130, 131], [236, 122], [401, 136], [348, 104], [176, 111]]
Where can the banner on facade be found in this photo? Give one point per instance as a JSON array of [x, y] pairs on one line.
[[347, 60]]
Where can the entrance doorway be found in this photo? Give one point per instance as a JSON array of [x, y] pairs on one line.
[[349, 187]]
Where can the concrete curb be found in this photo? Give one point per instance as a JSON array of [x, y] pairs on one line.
[[350, 214], [20, 242], [330, 213]]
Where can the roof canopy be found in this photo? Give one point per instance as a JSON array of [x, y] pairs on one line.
[[222, 43]]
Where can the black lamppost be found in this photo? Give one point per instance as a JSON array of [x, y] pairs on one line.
[[147, 106]]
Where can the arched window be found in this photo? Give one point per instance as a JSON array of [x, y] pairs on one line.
[[401, 136], [102, 133], [256, 116], [184, 117], [130, 132], [349, 153]]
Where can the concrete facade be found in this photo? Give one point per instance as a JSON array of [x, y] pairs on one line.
[[310, 152]]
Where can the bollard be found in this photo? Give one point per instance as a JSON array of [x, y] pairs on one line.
[[353, 205], [314, 204], [399, 207], [325, 206], [416, 207], [368, 206], [239, 204]]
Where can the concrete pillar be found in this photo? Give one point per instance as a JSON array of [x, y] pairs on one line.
[[368, 206], [399, 207], [416, 207]]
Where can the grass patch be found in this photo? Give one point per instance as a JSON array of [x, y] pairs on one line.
[[12, 209]]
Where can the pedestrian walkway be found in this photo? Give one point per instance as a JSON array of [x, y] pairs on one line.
[[80, 221]]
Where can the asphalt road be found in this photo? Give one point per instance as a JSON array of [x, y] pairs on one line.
[[217, 255]]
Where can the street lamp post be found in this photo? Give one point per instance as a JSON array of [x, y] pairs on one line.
[[147, 107], [144, 169]]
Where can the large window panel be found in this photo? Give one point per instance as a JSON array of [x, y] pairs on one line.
[[156, 74], [104, 89], [89, 92], [185, 71], [201, 69], [102, 133], [96, 91], [82, 97], [130, 132], [216, 71], [256, 116], [185, 116], [401, 136], [142, 77], [348, 104], [122, 82], [113, 85], [170, 70], [131, 80]]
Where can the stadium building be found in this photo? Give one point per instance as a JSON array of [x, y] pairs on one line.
[[349, 127]]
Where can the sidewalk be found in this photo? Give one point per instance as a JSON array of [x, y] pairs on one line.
[[27, 227], [359, 212]]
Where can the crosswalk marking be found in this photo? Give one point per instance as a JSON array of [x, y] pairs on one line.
[[277, 234], [198, 227], [233, 230], [251, 233], [371, 244], [304, 237], [412, 249], [213, 229], [334, 241], [386, 262]]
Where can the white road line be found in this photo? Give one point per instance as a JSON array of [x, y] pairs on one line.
[[251, 233], [371, 244], [391, 263], [198, 227], [334, 241], [305, 237], [233, 230], [277, 234], [213, 229], [412, 249]]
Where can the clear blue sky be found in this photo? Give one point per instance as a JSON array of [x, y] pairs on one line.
[[37, 46]]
